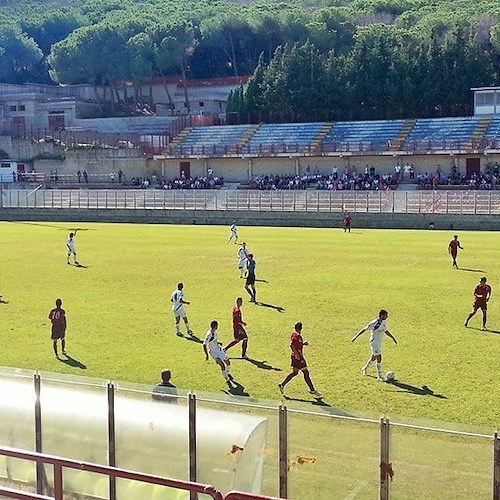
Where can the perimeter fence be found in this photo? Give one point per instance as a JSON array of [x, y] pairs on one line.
[[317, 452], [400, 202]]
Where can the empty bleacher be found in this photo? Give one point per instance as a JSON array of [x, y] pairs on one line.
[[282, 138], [211, 140], [442, 133], [362, 135]]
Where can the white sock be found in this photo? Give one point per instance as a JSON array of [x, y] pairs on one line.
[[379, 369], [177, 328], [367, 364], [225, 374], [187, 326]]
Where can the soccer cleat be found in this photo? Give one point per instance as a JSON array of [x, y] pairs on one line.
[[466, 324], [190, 332], [380, 378], [69, 263], [64, 352], [315, 393], [281, 388], [244, 356], [483, 329], [179, 334]]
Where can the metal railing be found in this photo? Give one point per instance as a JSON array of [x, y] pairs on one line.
[[350, 436], [376, 202]]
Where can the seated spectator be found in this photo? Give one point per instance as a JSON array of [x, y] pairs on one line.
[[165, 390]]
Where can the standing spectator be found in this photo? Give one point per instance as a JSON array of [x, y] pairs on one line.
[[482, 295], [165, 390], [177, 299], [397, 171], [250, 281], [453, 247], [112, 176], [58, 318], [378, 327], [120, 175], [240, 335], [298, 362], [79, 175], [86, 176]]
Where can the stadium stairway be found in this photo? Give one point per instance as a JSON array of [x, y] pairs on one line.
[[243, 140], [402, 136], [480, 131], [320, 137], [179, 138]]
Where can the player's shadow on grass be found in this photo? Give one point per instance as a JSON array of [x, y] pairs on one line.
[[263, 365], [236, 389], [74, 363], [81, 266], [315, 402], [419, 391], [191, 337], [271, 306], [261, 281], [488, 330], [471, 270]]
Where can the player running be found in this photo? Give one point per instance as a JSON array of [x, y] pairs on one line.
[[240, 335], [482, 295], [377, 327], [234, 233], [242, 258], [70, 244], [453, 247], [212, 345], [177, 299], [58, 318], [250, 282], [298, 362]]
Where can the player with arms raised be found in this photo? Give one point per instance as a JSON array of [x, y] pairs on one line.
[[482, 295], [70, 244], [377, 327]]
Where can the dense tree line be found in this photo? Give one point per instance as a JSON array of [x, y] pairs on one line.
[[309, 59]]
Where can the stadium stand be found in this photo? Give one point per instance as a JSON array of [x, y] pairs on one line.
[[492, 135], [362, 135], [210, 140], [442, 133], [282, 138]]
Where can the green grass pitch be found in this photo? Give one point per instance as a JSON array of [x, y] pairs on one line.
[[120, 324]]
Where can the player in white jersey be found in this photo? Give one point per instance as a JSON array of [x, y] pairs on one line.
[[234, 233], [177, 299], [70, 244], [377, 327], [242, 258], [211, 344]]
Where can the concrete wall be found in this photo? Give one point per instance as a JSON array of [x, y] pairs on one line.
[[286, 219]]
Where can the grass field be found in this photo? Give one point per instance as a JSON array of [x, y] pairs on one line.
[[120, 324]]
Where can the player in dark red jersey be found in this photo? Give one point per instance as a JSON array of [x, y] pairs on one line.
[[240, 335], [298, 361], [482, 295], [453, 247], [58, 318], [347, 222]]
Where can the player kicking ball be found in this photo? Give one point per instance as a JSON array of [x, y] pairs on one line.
[[212, 345], [377, 327]]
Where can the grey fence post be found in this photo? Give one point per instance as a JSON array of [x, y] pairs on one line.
[[496, 467], [38, 435], [193, 455], [385, 465], [111, 438], [283, 451]]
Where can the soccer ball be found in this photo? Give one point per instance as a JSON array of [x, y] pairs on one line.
[[390, 376]]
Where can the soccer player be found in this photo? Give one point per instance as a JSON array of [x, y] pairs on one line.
[[250, 281], [240, 335], [177, 299], [242, 258], [70, 244], [212, 345], [347, 222], [298, 361], [377, 327], [165, 390], [58, 318], [482, 295], [453, 247], [234, 233]]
